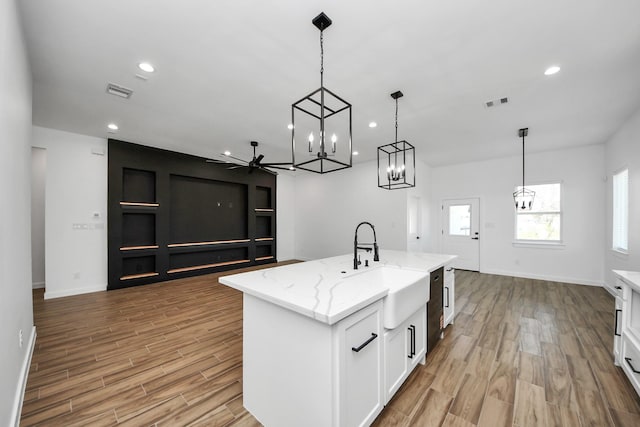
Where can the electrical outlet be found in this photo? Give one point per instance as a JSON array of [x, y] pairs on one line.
[[20, 337]]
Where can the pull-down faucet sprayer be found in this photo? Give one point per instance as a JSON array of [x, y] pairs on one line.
[[376, 256]]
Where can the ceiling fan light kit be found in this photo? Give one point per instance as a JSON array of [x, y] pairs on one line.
[[321, 124]]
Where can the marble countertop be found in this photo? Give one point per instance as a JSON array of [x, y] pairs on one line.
[[631, 277], [319, 289]]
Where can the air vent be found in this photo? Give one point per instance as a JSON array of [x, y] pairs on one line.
[[496, 102], [120, 91]]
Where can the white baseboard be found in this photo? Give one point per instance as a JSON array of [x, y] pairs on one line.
[[38, 285], [75, 291], [22, 380], [550, 278]]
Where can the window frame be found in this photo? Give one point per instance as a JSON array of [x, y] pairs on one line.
[[614, 248], [541, 242]]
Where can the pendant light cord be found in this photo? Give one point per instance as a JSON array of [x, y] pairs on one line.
[[321, 60], [522, 161]]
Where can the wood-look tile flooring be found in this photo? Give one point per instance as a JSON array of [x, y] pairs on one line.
[[521, 352]]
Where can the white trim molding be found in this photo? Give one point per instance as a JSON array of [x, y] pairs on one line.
[[560, 279], [74, 291], [22, 380]]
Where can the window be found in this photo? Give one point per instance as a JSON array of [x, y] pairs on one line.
[[543, 222], [460, 220], [620, 211]]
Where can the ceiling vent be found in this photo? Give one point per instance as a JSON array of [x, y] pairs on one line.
[[496, 102], [120, 91]]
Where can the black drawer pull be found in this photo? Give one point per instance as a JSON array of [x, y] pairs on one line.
[[628, 359], [618, 287], [364, 344], [435, 279], [412, 352], [615, 328]]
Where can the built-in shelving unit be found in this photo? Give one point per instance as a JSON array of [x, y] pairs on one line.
[[174, 215]]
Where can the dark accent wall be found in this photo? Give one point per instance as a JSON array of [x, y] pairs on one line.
[[173, 215]]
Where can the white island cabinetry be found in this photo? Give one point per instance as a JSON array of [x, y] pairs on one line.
[[314, 337], [404, 347], [627, 325], [296, 368]]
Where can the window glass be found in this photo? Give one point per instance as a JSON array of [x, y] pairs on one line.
[[460, 220], [544, 221], [621, 211]]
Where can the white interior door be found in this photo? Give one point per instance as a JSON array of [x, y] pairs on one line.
[[414, 224], [460, 232]]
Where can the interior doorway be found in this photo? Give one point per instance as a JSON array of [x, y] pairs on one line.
[[460, 232], [38, 191], [414, 224]]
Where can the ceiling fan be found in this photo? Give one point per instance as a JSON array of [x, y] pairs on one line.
[[255, 163]]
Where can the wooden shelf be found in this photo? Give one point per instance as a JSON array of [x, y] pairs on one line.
[[217, 242], [138, 276], [140, 204], [137, 248], [201, 267], [263, 258], [264, 210]]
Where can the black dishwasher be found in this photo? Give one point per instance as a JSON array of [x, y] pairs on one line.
[[434, 308]]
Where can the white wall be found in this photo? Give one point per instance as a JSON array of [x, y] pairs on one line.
[[581, 171], [16, 309], [623, 150], [329, 207], [285, 227], [38, 185], [76, 189]]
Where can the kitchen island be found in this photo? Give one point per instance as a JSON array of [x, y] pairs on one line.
[[314, 337]]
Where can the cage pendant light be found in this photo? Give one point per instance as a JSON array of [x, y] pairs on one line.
[[523, 197], [321, 124], [396, 161]]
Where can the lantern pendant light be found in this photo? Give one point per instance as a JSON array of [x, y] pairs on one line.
[[396, 161], [321, 124], [523, 197]]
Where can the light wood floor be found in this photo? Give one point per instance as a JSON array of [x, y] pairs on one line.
[[521, 352]]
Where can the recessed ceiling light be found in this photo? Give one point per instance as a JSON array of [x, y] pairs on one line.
[[551, 70], [145, 66], [372, 124], [112, 126], [289, 126], [355, 153], [227, 153]]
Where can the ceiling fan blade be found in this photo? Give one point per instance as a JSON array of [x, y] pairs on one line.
[[235, 158], [236, 167], [275, 167], [258, 159]]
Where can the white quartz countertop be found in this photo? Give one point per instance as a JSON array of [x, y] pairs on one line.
[[631, 277], [319, 289]]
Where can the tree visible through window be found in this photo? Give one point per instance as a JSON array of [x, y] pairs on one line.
[[544, 221]]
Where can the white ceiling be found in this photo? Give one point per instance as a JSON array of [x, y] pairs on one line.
[[229, 70]]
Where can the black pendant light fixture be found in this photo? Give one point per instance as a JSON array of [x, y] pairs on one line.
[[396, 161], [523, 197], [321, 124]]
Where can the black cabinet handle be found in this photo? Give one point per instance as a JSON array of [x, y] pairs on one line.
[[628, 359], [364, 344], [435, 279], [447, 289], [615, 328], [450, 268], [618, 287], [412, 352], [474, 238]]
